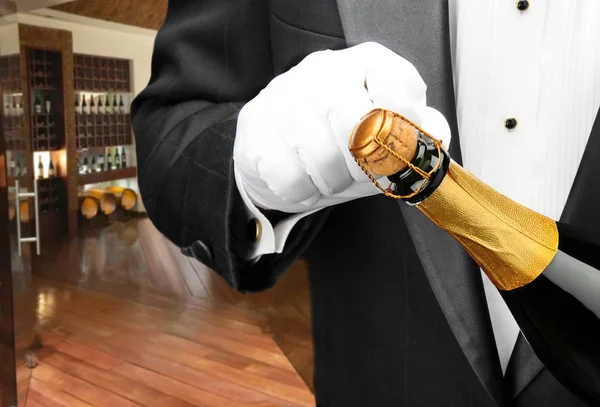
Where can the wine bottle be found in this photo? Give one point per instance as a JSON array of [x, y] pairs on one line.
[[117, 159], [101, 161], [107, 107], [547, 272], [37, 105], [77, 105], [93, 167], [85, 167], [48, 105], [84, 107], [40, 168], [51, 171], [19, 108], [100, 105], [123, 158], [109, 161], [115, 106], [92, 105], [13, 167], [121, 105], [14, 111]]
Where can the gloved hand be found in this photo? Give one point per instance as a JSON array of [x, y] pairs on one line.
[[291, 149]]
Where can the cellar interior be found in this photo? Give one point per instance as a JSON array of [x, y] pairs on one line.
[[67, 123], [97, 307]]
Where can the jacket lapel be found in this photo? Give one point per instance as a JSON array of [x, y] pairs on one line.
[[583, 210], [455, 279], [583, 205]]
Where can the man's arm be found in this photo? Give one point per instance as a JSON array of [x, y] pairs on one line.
[[210, 58]]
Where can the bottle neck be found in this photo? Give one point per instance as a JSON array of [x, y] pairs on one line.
[[426, 158]]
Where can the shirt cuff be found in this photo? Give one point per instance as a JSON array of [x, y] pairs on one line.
[[273, 238]]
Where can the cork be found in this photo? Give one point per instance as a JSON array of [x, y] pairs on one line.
[[392, 131]]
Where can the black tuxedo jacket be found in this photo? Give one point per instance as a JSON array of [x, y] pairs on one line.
[[399, 313]]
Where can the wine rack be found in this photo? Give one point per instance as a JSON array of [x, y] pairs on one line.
[[45, 132], [10, 73], [94, 73], [12, 99], [45, 84], [107, 175], [13, 133], [51, 193], [44, 69], [103, 130]]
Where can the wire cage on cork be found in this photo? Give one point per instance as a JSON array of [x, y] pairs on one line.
[[383, 143]]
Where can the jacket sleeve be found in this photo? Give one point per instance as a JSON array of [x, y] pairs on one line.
[[210, 57]]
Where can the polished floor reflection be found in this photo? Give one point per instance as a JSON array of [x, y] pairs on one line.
[[125, 319]]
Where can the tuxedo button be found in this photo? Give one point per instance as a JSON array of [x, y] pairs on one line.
[[510, 123], [198, 250], [254, 230], [522, 5]]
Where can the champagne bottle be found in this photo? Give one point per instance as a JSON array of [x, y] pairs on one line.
[[121, 105], [115, 106], [123, 158], [92, 105], [51, 171], [40, 168], [84, 107], [547, 272], [37, 105], [117, 159]]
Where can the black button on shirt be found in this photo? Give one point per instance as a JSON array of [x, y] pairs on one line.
[[510, 123], [522, 5]]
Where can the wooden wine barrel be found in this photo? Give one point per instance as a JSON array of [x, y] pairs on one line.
[[127, 197], [108, 200], [89, 206], [24, 211]]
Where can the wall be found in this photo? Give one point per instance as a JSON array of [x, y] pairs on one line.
[[9, 36]]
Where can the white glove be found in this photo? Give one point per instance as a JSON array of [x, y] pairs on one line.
[[291, 148]]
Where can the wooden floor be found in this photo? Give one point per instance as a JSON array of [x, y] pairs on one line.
[[126, 320]]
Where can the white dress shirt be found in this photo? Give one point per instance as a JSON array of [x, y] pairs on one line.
[[540, 66]]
